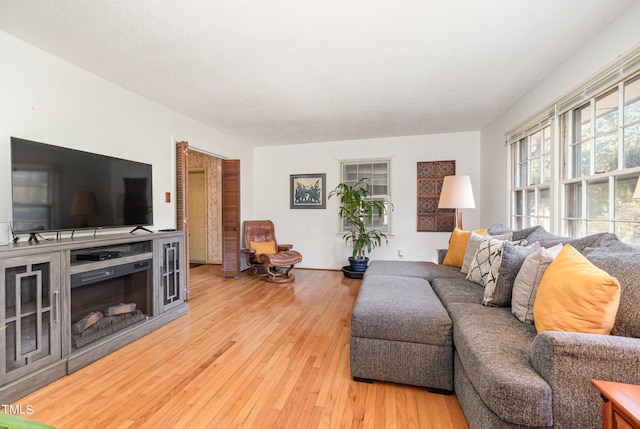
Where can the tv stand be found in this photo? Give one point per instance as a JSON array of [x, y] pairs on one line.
[[46, 290], [34, 237], [139, 227]]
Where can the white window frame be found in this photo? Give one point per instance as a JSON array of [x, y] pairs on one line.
[[522, 182], [385, 225], [560, 117], [584, 223]]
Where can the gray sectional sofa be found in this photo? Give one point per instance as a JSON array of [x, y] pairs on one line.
[[425, 324]]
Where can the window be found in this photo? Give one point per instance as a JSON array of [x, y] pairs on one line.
[[601, 141], [33, 198], [531, 163], [573, 167], [377, 171]]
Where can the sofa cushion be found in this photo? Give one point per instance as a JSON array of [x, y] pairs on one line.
[[400, 309], [576, 296], [594, 240], [546, 239], [519, 234], [494, 349], [624, 266], [513, 257], [607, 244], [525, 286], [423, 270], [457, 290]]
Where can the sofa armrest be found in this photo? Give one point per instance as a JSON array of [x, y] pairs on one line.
[[441, 254], [568, 361]]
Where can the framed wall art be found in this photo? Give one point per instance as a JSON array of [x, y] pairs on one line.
[[308, 191]]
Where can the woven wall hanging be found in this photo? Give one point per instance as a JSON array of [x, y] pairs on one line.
[[430, 177]]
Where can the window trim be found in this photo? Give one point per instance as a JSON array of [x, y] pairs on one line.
[[516, 185], [388, 197], [558, 116]]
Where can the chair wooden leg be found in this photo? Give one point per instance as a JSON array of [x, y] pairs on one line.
[[255, 270], [279, 277], [287, 273], [267, 269]]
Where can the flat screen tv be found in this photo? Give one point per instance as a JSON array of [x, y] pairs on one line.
[[60, 189]]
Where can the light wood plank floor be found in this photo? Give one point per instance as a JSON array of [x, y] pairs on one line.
[[249, 354]]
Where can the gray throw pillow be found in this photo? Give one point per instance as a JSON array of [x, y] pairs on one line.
[[547, 239], [525, 285], [625, 267], [513, 257]]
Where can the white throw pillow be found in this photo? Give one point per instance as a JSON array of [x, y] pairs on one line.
[[486, 263], [525, 286], [472, 247], [470, 252]]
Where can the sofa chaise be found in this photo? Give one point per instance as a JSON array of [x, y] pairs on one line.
[[434, 325]]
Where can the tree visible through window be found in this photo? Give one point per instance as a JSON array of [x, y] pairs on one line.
[[574, 167], [604, 155]]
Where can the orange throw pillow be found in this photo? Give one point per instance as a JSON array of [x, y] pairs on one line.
[[457, 247], [264, 247], [576, 296]]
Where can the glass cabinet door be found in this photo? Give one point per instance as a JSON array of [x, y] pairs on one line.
[[171, 273], [30, 314]]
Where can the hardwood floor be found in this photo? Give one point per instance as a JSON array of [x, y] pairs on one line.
[[249, 354]]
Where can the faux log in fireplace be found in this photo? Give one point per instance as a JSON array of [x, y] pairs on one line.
[[107, 300]]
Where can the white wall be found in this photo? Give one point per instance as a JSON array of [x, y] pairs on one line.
[[617, 38], [314, 232], [45, 99]]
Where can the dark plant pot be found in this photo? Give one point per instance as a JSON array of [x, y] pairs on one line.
[[350, 274], [358, 265]]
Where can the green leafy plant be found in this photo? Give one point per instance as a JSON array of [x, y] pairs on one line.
[[356, 206]]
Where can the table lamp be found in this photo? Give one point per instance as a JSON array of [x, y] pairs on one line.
[[457, 194]]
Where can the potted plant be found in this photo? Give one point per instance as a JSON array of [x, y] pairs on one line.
[[356, 207]]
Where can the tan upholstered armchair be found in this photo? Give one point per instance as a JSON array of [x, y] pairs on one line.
[[263, 250]]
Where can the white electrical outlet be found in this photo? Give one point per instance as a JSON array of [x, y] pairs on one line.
[[400, 253]]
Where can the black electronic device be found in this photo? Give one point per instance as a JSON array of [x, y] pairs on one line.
[[99, 255], [60, 189]]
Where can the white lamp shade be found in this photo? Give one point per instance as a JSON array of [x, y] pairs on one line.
[[456, 193], [636, 192]]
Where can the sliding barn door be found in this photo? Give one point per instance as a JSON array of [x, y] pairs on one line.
[[230, 218], [182, 193]]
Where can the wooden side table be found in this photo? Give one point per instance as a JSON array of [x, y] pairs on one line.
[[620, 404]]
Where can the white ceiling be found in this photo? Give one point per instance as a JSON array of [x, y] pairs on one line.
[[297, 71]]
